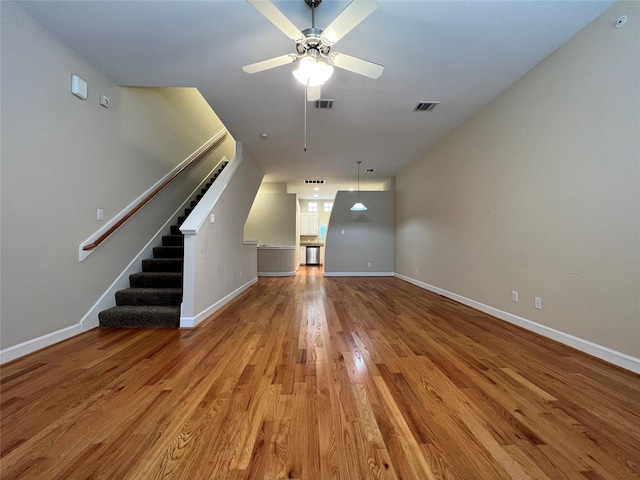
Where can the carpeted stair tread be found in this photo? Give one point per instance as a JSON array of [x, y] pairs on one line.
[[155, 294], [138, 317], [156, 280], [168, 252], [172, 240], [149, 296], [162, 264]]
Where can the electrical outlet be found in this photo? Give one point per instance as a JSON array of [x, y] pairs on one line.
[[100, 214], [368, 264], [514, 296], [537, 302], [416, 269]]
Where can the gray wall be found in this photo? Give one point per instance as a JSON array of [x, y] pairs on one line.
[[368, 236], [539, 192], [62, 158]]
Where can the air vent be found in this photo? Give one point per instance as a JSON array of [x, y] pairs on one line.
[[314, 181], [426, 106], [325, 103], [370, 170]]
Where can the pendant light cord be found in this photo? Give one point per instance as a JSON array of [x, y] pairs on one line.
[[359, 162]]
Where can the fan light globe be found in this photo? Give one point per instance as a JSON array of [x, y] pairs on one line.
[[312, 72]]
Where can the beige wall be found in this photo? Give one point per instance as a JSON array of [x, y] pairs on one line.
[[63, 158], [224, 265], [539, 192]]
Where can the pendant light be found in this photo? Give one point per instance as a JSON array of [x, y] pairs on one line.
[[358, 207]]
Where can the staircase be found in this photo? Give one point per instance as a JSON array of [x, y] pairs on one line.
[[155, 294]]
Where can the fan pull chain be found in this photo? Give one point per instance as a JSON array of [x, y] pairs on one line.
[[305, 116]]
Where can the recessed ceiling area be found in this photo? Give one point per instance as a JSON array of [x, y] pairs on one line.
[[462, 53]]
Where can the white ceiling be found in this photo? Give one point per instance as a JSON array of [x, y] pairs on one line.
[[461, 53]]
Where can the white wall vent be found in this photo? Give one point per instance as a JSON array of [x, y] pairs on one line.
[[426, 106]]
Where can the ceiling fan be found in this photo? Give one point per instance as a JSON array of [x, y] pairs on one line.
[[313, 45]]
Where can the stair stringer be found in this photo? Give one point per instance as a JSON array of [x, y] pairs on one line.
[[107, 299]]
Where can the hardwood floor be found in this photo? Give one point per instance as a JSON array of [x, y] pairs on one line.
[[317, 378]]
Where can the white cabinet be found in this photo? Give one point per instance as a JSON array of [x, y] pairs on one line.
[[303, 255], [308, 224]]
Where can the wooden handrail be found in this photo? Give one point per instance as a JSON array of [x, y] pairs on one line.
[[146, 200]]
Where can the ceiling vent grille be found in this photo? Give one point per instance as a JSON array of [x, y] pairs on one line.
[[370, 170], [314, 181], [426, 106], [324, 103]]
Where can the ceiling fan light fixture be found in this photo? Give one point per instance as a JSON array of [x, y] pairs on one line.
[[313, 72]]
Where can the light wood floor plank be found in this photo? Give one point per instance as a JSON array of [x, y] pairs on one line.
[[315, 378]]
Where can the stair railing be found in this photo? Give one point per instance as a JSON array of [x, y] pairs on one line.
[[197, 155]]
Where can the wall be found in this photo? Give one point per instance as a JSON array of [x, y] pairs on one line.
[[539, 192], [62, 158], [368, 236], [272, 220], [223, 265]]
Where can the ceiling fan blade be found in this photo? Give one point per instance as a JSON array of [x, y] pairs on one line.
[[276, 17], [271, 63], [313, 93], [356, 65], [351, 16]]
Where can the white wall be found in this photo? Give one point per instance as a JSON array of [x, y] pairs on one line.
[[368, 236], [62, 158], [539, 192]]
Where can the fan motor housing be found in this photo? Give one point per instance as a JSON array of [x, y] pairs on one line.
[[312, 41]]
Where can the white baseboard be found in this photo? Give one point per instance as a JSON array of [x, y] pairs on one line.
[[192, 322], [277, 274], [604, 353], [35, 344], [358, 274]]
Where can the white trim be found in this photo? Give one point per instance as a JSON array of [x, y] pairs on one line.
[[193, 321], [35, 344], [268, 247], [277, 274], [358, 274], [82, 254], [604, 353]]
